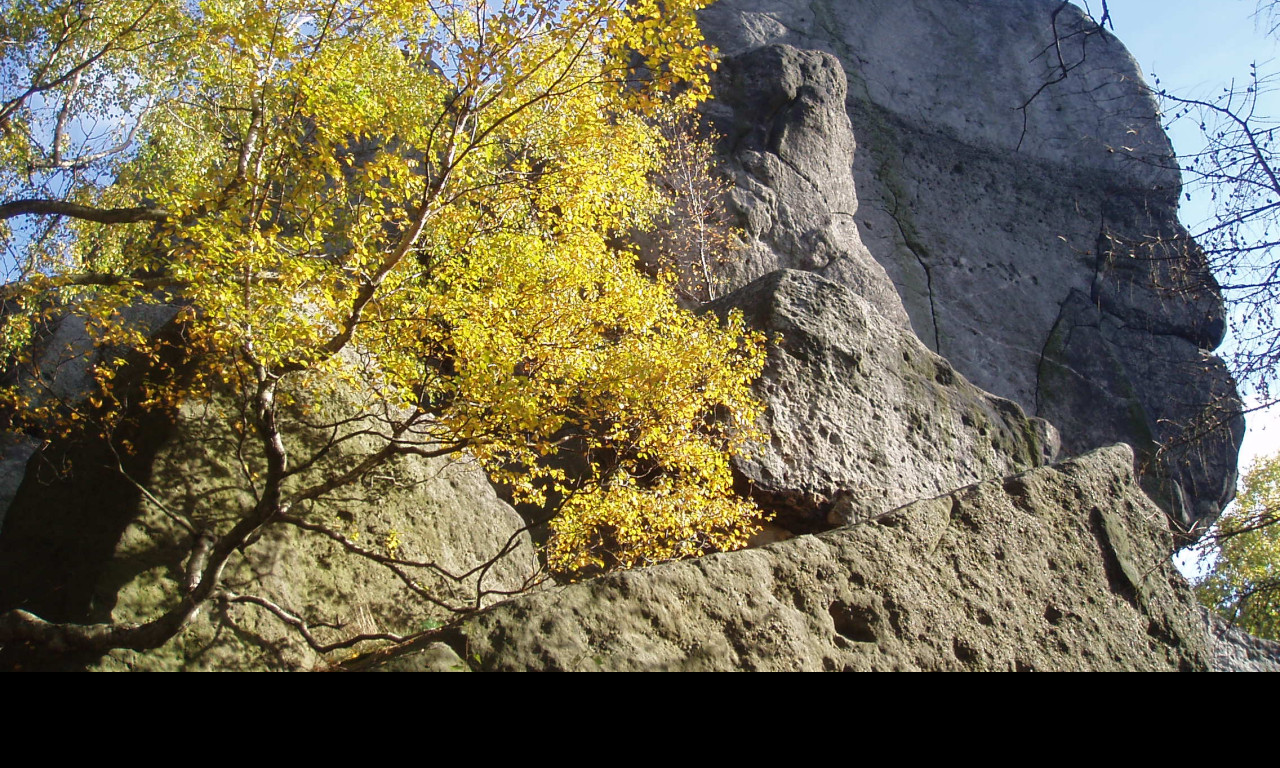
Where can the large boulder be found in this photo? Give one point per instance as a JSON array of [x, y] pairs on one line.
[[861, 416], [1060, 568], [996, 190]]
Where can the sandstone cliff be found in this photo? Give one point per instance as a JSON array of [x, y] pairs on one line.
[[952, 251], [1026, 219]]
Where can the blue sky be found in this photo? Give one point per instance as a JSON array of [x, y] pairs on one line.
[[1196, 47], [1192, 44]]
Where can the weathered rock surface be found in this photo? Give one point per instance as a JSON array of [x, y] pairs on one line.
[[1235, 650], [432, 657], [958, 66], [907, 205], [789, 147], [863, 418], [1061, 568], [82, 544], [1005, 222]]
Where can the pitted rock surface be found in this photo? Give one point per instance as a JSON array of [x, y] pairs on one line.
[[1061, 568], [862, 417]]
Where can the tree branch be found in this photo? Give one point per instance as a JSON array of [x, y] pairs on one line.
[[303, 628], [35, 207]]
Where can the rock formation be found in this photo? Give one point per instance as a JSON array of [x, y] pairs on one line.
[[1235, 650], [1060, 568], [1026, 218], [92, 536], [965, 253], [863, 418]]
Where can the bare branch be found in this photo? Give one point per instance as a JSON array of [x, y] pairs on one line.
[[303, 629], [35, 207]]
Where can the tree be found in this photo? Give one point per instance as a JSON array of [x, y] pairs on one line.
[[1243, 584], [421, 199], [1234, 174], [696, 236]]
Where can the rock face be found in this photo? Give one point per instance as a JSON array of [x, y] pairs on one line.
[[1235, 650], [1061, 568], [956, 242], [790, 148], [863, 417], [1027, 220], [82, 544]]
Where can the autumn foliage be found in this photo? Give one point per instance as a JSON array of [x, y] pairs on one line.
[[1243, 581], [426, 199]]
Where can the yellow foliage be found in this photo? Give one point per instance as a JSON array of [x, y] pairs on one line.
[[424, 197], [1243, 580]]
